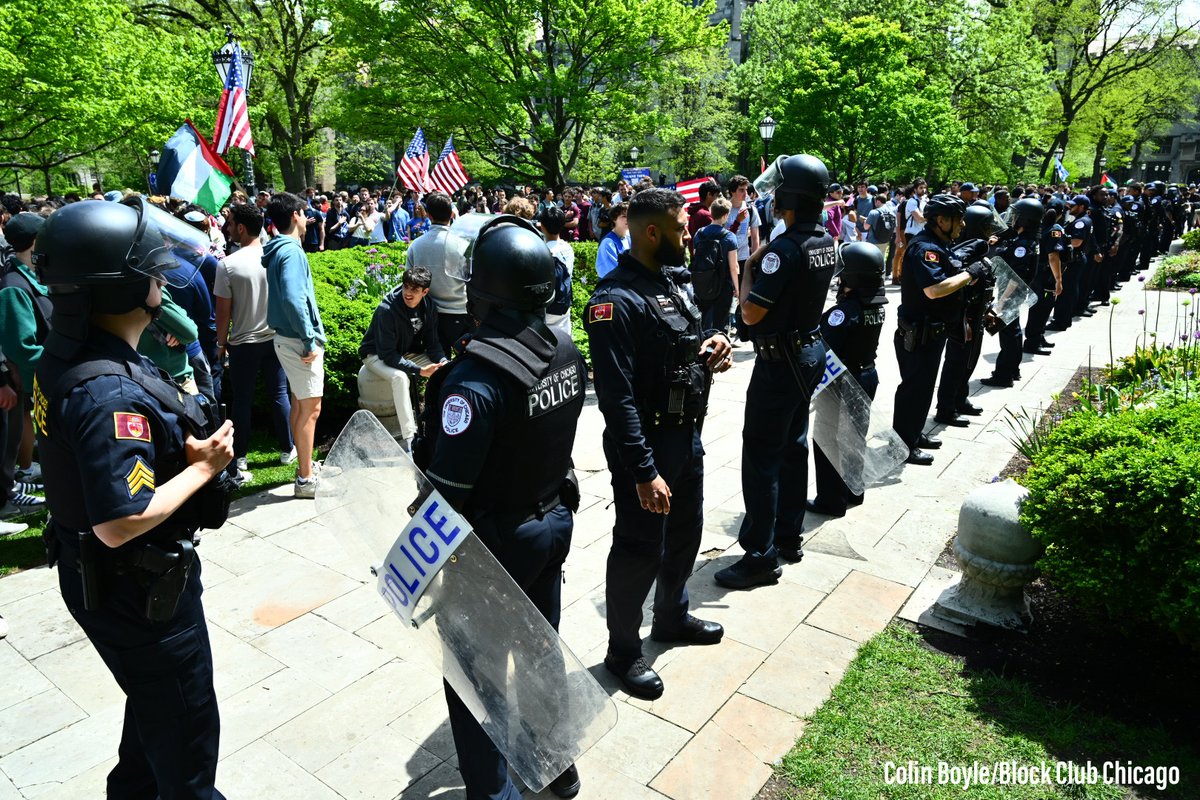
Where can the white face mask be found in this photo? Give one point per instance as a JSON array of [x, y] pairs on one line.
[[778, 229]]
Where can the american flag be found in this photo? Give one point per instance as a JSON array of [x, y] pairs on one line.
[[691, 189], [233, 123], [448, 174], [413, 170]]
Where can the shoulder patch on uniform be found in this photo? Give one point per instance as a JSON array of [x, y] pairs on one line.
[[40, 408], [1020, 252], [456, 414], [836, 317], [1080, 224], [1056, 234], [770, 263], [601, 312], [131, 426], [931, 255], [140, 477]]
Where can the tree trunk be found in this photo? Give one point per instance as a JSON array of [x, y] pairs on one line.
[[1060, 140], [1101, 143], [46, 175]]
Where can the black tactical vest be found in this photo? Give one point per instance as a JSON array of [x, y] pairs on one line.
[[1021, 254]]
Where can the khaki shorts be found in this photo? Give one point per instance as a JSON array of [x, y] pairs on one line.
[[304, 380]]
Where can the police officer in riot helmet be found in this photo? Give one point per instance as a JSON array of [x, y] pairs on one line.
[[981, 227], [1020, 252], [931, 309], [782, 296], [851, 329], [495, 440], [132, 468], [653, 365]]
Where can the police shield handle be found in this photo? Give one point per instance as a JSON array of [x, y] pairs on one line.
[[472, 624]]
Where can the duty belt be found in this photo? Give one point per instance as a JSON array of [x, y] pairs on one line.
[[775, 346]]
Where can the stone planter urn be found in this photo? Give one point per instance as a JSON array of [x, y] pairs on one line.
[[997, 557]]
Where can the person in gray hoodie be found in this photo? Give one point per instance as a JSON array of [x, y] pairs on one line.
[[299, 335]]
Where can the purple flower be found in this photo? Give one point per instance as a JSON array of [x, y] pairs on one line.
[[1183, 337], [372, 249], [1191, 291], [1196, 335], [1142, 278], [1141, 311], [1170, 281]]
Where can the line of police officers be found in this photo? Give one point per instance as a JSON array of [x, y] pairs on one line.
[[129, 573]]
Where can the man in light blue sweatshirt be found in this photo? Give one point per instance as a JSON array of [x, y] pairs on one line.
[[299, 335]]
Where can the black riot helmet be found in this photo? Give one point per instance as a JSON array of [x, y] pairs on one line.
[[1158, 186], [944, 205], [804, 183], [862, 270], [978, 223], [1027, 213], [511, 266], [99, 244]]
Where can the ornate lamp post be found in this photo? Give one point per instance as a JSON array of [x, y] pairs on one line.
[[766, 129], [221, 59], [155, 157], [633, 155]]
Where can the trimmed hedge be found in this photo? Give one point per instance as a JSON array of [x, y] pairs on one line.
[[1116, 501], [349, 284]]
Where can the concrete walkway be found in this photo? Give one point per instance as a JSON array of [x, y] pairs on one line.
[[323, 696]]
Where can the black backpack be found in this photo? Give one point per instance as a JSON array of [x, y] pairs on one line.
[[886, 225], [562, 288], [707, 275]]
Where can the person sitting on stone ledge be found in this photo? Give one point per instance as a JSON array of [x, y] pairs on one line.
[[402, 343]]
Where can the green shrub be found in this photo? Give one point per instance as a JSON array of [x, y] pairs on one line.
[[1183, 271], [1191, 239], [1116, 501]]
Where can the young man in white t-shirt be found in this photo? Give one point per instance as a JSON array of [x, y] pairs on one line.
[[552, 219], [244, 337]]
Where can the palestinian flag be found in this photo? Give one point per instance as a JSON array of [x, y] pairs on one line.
[[1107, 182], [190, 170]]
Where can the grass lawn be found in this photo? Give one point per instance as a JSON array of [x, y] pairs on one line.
[[900, 701], [24, 550]]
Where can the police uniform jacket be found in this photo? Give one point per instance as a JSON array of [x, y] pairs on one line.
[[928, 262], [1054, 240], [644, 333], [498, 447], [792, 279], [106, 443], [1081, 228], [1021, 254], [851, 330]]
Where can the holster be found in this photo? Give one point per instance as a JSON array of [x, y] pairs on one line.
[[911, 333]]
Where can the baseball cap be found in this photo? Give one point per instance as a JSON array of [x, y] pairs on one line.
[[22, 229], [967, 187], [1080, 200]]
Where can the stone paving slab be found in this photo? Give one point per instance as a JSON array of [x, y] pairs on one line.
[[323, 694]]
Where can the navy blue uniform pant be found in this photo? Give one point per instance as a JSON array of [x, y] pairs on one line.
[[775, 452], [533, 553], [914, 395], [1064, 305], [651, 547], [1039, 315], [832, 491], [958, 365], [1012, 344], [169, 741]]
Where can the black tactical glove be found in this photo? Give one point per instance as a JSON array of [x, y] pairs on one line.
[[981, 269]]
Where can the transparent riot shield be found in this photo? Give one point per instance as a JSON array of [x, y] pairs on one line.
[[535, 699], [1011, 292], [854, 435]]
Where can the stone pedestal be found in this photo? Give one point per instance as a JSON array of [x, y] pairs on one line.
[[997, 557], [1175, 248], [375, 395]]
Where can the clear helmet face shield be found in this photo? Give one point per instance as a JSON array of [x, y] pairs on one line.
[[770, 180], [463, 613], [177, 259]]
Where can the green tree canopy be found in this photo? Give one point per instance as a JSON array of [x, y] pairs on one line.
[[82, 76], [850, 93], [529, 80]]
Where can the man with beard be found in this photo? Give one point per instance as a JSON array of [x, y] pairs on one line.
[[653, 366]]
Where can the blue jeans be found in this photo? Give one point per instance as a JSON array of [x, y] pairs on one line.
[[775, 451], [246, 363]]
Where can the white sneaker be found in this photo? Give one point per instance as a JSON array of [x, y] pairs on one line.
[[28, 487], [307, 489], [9, 528], [33, 474], [287, 458], [28, 502]]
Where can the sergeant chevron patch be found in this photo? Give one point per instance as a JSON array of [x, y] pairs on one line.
[[140, 477]]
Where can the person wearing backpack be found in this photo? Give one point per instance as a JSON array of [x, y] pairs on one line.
[[880, 224], [558, 312], [715, 267]]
